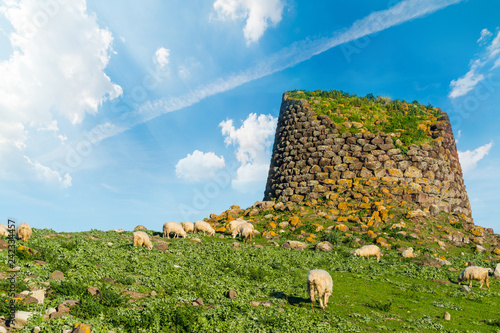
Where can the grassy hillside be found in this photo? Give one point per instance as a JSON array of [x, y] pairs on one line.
[[396, 294]]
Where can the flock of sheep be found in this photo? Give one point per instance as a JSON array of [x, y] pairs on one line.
[[319, 282]]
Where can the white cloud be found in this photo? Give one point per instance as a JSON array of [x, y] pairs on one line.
[[47, 174], [469, 159], [56, 70], [485, 34], [479, 68], [199, 166], [161, 57], [459, 135], [466, 83], [259, 15], [253, 141]]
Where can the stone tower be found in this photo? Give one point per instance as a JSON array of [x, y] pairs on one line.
[[316, 157]]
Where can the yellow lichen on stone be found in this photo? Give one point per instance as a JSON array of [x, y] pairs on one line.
[[381, 240], [220, 229], [365, 205], [342, 218], [386, 192], [85, 328], [342, 227], [395, 173], [477, 231], [294, 221], [272, 225], [371, 234], [310, 240], [344, 206], [268, 234], [496, 250], [345, 183]]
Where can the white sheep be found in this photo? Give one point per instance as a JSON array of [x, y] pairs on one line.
[[175, 228], [368, 251], [233, 224], [240, 227], [142, 239], [205, 227], [188, 226], [319, 282], [4, 231], [140, 227], [408, 253], [23, 231], [475, 273], [246, 234]]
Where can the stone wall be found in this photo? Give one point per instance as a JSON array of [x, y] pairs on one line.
[[312, 160]]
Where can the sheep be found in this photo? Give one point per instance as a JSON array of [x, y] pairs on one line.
[[233, 224], [408, 253], [367, 251], [188, 226], [240, 227], [205, 227], [475, 273], [319, 282], [142, 239], [246, 234], [23, 231], [140, 227], [4, 231], [173, 227]]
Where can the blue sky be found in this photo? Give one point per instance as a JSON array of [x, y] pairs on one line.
[[119, 113]]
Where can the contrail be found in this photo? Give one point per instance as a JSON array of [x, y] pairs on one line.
[[290, 56], [287, 57]]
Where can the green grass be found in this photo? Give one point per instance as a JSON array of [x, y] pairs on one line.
[[395, 294], [375, 114]]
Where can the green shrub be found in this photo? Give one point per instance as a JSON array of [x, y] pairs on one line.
[[334, 237], [379, 305], [67, 287]]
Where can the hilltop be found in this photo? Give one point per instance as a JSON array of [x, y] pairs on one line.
[[346, 171]]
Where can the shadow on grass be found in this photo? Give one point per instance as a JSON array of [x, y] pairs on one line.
[[291, 300]]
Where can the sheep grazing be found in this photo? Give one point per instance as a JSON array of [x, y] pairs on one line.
[[246, 234], [368, 251], [205, 227], [140, 227], [23, 231], [188, 226], [319, 282], [408, 253], [475, 273], [175, 228], [240, 227], [233, 224], [142, 239]]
